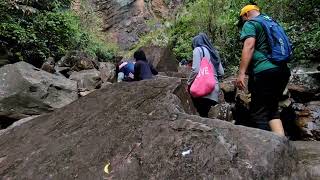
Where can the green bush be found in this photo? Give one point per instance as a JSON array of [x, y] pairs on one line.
[[35, 30], [94, 41]]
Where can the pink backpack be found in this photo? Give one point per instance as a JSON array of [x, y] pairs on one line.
[[205, 82]]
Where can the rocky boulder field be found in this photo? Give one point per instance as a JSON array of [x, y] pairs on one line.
[[141, 131], [146, 129]]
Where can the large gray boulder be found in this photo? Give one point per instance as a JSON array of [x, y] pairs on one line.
[[162, 58], [26, 90], [141, 131], [87, 79]]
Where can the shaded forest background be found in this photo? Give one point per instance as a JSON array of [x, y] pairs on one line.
[[33, 30]]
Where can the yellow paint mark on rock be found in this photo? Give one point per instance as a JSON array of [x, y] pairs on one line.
[[106, 168]]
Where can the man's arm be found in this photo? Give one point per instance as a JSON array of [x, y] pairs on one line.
[[247, 53]]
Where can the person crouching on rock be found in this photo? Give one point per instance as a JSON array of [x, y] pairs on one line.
[[202, 47], [125, 71], [142, 68]]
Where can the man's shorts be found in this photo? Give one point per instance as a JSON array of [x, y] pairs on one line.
[[266, 90]]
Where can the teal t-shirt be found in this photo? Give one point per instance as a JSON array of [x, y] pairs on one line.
[[260, 60]]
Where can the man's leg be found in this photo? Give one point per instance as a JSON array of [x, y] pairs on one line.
[[276, 127], [200, 105], [264, 103], [281, 83], [203, 106]]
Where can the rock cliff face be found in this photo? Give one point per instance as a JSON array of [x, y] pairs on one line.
[[141, 131], [126, 20]]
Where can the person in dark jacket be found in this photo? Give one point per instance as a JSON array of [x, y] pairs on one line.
[[142, 68]]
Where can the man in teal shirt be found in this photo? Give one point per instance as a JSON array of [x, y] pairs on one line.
[[267, 79]]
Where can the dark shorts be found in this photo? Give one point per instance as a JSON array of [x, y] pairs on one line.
[[266, 89]]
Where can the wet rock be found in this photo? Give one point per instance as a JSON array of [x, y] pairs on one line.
[[142, 132], [26, 91], [87, 80], [161, 58]]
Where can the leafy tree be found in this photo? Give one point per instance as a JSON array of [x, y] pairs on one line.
[[33, 30]]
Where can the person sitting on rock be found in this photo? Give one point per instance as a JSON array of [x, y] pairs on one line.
[[142, 68], [125, 71]]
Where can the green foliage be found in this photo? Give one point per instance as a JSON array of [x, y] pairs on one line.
[[97, 47], [35, 30], [217, 18], [158, 37], [94, 41], [304, 29], [181, 35], [59, 31]]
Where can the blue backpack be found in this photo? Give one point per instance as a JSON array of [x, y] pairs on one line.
[[279, 43]]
